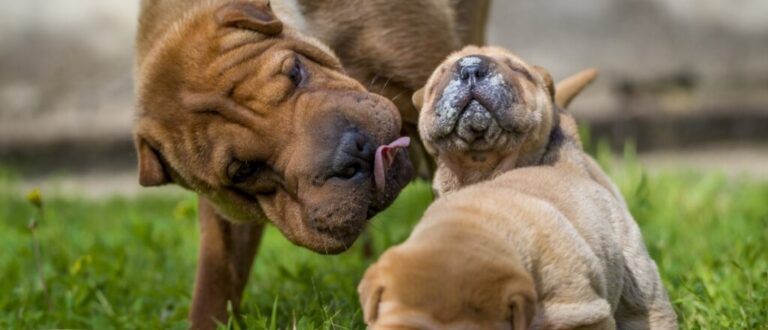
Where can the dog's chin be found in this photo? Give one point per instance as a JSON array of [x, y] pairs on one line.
[[333, 234], [333, 239]]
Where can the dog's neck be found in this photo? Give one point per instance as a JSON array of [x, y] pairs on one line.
[[457, 172], [564, 148]]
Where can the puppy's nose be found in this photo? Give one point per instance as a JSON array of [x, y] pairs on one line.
[[473, 68], [353, 157]]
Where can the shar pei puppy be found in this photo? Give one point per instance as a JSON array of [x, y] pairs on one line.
[[528, 233]]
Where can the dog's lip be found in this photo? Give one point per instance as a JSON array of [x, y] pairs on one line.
[[467, 95], [473, 92], [491, 107], [463, 105], [466, 98]]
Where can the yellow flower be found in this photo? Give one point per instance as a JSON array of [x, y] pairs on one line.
[[35, 197], [78, 265]]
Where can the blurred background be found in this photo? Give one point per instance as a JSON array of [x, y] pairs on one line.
[[686, 80]]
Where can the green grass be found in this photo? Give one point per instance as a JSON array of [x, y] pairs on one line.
[[129, 263]]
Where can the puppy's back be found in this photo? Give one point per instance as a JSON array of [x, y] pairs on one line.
[[562, 226]]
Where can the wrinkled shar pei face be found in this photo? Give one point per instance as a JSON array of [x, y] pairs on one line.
[[264, 123], [482, 105]]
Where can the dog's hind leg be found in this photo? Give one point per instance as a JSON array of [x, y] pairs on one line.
[[472, 19], [227, 251]]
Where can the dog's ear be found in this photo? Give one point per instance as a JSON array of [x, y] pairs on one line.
[[370, 293], [418, 99], [521, 299], [544, 73], [250, 15], [570, 87], [151, 170]]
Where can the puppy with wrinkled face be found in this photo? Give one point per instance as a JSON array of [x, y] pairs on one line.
[[485, 111], [529, 232]]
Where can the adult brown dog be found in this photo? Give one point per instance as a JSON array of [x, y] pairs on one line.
[[245, 103], [529, 233]]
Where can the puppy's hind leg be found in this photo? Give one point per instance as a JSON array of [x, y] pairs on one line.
[[644, 303]]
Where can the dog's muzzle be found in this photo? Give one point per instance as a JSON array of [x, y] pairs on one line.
[[467, 112]]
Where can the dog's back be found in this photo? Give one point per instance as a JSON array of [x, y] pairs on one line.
[[564, 227], [577, 239], [644, 303]]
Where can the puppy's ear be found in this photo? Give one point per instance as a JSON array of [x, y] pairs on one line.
[[544, 73], [418, 99], [570, 87], [370, 295], [249, 15], [151, 170], [522, 303]]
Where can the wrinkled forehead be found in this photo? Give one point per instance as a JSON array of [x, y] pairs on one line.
[[205, 32], [313, 49], [289, 39]]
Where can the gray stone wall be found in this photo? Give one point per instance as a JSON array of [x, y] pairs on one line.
[[65, 69], [65, 65], [684, 55]]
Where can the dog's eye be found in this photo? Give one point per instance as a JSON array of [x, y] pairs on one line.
[[240, 171], [297, 73], [519, 69]]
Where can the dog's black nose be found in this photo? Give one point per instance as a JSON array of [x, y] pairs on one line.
[[473, 68], [353, 157]]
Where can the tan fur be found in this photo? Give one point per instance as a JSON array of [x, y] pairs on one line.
[[215, 89], [214, 94], [557, 230], [516, 228], [535, 115], [541, 103], [392, 46]]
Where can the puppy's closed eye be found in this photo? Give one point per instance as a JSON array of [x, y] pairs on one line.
[[518, 68]]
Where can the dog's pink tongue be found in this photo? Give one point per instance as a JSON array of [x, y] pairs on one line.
[[385, 155]]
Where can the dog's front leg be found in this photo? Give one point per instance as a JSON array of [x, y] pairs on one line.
[[226, 254]]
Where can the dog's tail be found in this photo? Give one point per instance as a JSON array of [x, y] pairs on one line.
[[569, 87]]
